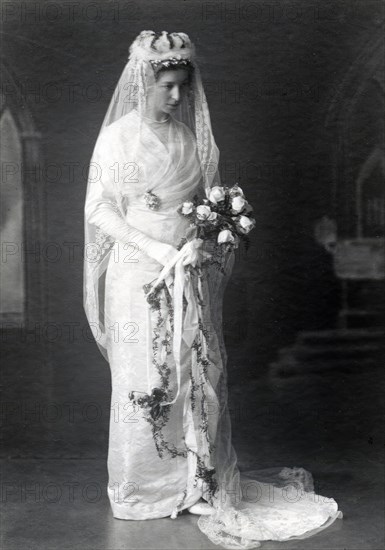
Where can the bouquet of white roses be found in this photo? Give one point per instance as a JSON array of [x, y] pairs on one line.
[[225, 213]]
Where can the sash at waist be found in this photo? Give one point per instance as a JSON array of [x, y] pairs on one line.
[[141, 209], [167, 226]]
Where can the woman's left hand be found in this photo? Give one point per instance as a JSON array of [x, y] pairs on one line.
[[191, 252]]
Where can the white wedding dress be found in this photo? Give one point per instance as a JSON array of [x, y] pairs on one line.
[[164, 458]]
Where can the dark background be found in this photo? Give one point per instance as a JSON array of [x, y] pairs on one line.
[[271, 72]]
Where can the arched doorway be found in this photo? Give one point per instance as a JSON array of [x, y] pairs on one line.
[[22, 218]]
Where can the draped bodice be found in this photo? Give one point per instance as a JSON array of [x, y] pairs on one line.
[[145, 160], [163, 161]]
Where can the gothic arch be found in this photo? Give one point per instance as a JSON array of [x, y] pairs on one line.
[[25, 213], [356, 127]]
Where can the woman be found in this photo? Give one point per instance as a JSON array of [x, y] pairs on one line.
[[153, 296]]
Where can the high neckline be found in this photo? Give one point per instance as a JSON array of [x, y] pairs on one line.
[[153, 121]]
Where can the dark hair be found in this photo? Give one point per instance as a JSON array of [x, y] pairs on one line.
[[161, 68]]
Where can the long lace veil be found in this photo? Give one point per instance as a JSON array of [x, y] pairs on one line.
[[131, 92], [244, 511]]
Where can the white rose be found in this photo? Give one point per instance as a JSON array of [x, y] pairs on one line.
[[203, 212], [225, 236], [187, 207], [238, 203], [213, 216], [178, 43], [162, 44], [236, 190], [246, 223], [216, 194]]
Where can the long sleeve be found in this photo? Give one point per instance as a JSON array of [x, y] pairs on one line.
[[102, 210]]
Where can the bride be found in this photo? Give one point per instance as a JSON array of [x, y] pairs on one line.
[[153, 298]]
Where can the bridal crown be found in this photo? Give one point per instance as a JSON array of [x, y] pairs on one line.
[[163, 49]]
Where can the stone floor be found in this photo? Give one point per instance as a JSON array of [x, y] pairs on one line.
[[69, 510], [54, 467]]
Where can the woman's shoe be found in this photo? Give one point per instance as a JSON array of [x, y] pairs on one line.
[[201, 508]]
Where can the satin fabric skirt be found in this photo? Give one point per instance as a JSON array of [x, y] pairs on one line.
[[143, 485]]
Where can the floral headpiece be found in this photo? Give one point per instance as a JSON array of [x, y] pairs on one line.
[[167, 49], [176, 61]]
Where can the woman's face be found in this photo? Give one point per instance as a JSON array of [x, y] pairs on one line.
[[169, 90]]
